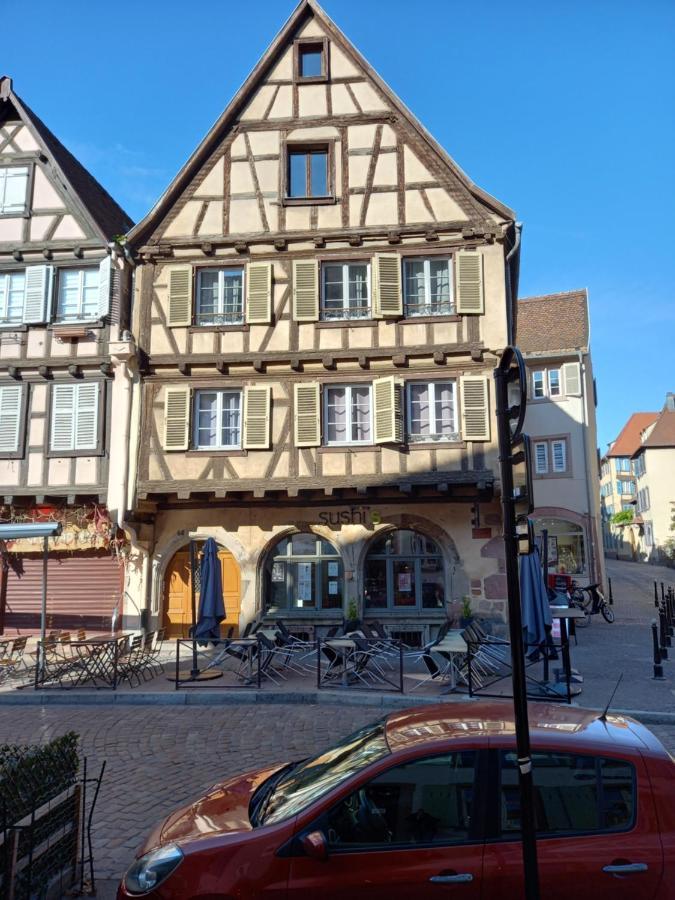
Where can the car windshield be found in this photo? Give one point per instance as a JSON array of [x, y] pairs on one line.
[[315, 777]]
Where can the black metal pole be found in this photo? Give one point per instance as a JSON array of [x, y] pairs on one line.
[[658, 668], [669, 614], [656, 595], [611, 595], [662, 634], [529, 836], [193, 611]]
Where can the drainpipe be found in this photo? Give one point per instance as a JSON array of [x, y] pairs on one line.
[[512, 280], [591, 544]]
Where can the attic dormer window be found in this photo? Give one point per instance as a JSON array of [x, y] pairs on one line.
[[311, 60], [13, 190]]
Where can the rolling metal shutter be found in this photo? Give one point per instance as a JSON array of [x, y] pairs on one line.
[[82, 591]]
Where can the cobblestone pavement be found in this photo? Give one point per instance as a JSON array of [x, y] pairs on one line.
[[159, 757], [633, 588]]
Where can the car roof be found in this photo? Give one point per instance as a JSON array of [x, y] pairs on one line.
[[482, 719]]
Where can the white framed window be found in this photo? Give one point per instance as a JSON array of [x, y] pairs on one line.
[[13, 190], [550, 456], [538, 385], [348, 414], [554, 389], [559, 455], [74, 417], [428, 286], [78, 295], [345, 292], [541, 457], [432, 411], [217, 420], [220, 297], [12, 292], [546, 383]]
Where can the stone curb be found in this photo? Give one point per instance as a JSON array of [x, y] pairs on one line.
[[215, 697]]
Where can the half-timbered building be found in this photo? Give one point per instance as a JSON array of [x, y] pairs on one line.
[[320, 298], [64, 308]]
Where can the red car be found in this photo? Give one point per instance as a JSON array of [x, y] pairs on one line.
[[424, 803]]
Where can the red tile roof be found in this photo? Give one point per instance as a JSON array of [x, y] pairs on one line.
[[628, 441], [553, 322]]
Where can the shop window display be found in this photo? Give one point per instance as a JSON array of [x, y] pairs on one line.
[[404, 570]]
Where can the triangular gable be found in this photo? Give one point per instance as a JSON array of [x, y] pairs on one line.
[[445, 193], [65, 177]]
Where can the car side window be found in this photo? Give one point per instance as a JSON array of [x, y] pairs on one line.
[[572, 794], [428, 801]]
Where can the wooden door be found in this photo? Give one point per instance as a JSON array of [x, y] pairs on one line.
[[177, 613]]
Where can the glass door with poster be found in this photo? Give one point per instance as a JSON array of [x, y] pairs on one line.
[[303, 572]]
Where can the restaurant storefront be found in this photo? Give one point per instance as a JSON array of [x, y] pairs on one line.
[[405, 565]]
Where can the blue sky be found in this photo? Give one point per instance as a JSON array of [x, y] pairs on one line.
[[564, 111]]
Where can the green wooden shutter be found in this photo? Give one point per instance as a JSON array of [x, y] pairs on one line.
[[386, 279], [176, 418], [104, 286], [37, 294], [257, 418], [305, 290], [469, 277], [307, 424], [571, 373], [180, 295], [387, 411], [475, 393], [259, 293]]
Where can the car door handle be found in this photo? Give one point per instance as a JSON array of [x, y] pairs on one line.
[[625, 868], [454, 878]]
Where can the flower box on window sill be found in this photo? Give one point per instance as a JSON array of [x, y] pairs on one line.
[[73, 330]]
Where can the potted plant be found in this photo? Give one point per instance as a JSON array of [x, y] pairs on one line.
[[467, 616], [352, 620]]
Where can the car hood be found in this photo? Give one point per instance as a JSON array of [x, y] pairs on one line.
[[222, 810]]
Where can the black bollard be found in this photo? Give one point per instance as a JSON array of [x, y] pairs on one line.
[[658, 668], [669, 613], [611, 595], [656, 595], [663, 637]]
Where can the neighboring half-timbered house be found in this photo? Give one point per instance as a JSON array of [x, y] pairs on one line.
[[64, 309], [320, 297]]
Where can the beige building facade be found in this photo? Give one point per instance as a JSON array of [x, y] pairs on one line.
[[653, 466], [64, 358], [553, 331], [321, 296]]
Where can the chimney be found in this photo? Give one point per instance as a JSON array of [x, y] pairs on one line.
[[670, 402]]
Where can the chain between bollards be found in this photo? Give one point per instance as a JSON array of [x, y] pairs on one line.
[[658, 668]]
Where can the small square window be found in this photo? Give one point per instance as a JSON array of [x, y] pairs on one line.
[[311, 60], [308, 174]]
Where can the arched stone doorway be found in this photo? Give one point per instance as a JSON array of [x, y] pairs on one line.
[[177, 615]]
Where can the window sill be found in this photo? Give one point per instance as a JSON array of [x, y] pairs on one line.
[[346, 323], [23, 214], [310, 79], [348, 448], [71, 454], [218, 328], [441, 317], [75, 324], [208, 452], [309, 201], [435, 445], [19, 326]]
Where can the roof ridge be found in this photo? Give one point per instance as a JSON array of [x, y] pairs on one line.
[[569, 293]]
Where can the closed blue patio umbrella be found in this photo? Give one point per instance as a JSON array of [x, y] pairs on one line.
[[536, 610], [211, 605]]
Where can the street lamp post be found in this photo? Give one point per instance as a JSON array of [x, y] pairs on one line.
[[511, 370]]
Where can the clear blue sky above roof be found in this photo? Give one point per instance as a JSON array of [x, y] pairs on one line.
[[562, 113]]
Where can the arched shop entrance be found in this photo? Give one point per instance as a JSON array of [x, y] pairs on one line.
[[177, 613]]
